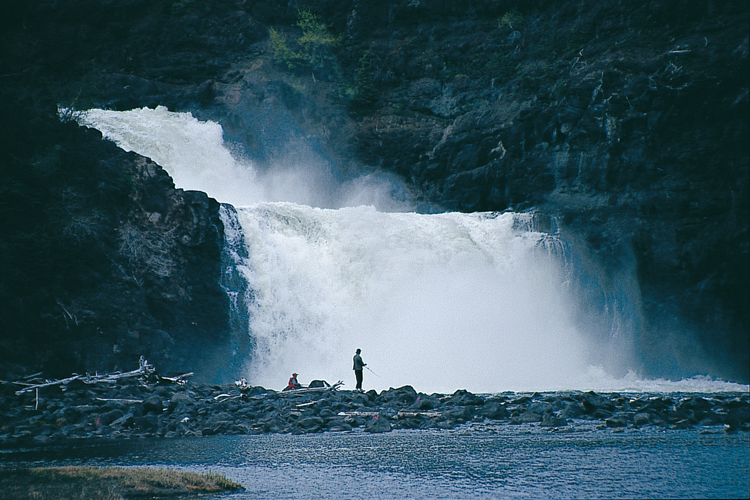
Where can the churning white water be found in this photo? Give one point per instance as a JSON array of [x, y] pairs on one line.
[[436, 301], [439, 302]]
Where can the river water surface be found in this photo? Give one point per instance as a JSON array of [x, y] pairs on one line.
[[472, 462]]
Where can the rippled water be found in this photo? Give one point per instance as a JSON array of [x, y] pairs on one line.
[[498, 461]]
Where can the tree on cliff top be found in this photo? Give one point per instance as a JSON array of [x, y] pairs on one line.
[[312, 50]]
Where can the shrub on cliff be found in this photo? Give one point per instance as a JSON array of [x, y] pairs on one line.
[[313, 49]]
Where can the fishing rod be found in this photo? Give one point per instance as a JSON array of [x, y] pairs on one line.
[[372, 372]]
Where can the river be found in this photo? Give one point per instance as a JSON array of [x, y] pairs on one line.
[[472, 462]]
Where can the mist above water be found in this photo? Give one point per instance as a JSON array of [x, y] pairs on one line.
[[440, 302]]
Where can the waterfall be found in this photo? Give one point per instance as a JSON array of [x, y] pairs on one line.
[[437, 301], [486, 302]]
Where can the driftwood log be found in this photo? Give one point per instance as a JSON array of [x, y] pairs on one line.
[[145, 370]]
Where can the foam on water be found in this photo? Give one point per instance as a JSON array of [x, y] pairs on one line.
[[440, 302]]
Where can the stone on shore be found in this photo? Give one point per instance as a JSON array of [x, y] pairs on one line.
[[378, 424], [132, 408]]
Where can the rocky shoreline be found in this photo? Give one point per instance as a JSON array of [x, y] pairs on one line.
[[160, 407]]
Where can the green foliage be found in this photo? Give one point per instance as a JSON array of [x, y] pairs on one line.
[[313, 49], [504, 64], [316, 41], [364, 94], [280, 49], [511, 19]]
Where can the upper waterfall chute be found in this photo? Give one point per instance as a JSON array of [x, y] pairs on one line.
[[195, 154]]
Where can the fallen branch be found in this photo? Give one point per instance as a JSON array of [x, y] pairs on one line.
[[49, 383], [179, 379], [117, 400], [145, 369], [304, 405], [406, 414]]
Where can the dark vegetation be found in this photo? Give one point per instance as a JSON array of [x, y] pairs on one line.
[[626, 120], [109, 483]]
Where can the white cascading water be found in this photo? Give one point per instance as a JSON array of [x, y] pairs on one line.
[[436, 301], [440, 302]]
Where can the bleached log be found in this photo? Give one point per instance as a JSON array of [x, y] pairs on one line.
[[118, 400], [179, 379], [358, 413], [226, 397], [49, 383], [144, 369], [304, 405], [407, 414]]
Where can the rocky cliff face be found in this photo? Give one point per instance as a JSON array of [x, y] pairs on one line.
[[103, 259], [626, 121]]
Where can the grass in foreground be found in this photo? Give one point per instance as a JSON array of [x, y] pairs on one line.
[[109, 483]]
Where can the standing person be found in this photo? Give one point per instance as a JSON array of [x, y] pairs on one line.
[[358, 365]]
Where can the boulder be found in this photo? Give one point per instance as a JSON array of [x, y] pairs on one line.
[[592, 402], [402, 396], [527, 417], [425, 402], [338, 425], [311, 424], [573, 410], [110, 417], [146, 423], [464, 398], [153, 404], [641, 419], [378, 424], [616, 421], [549, 419], [494, 411], [318, 383], [179, 402], [460, 414]]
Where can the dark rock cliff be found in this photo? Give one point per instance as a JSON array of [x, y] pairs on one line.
[[626, 120], [103, 259]]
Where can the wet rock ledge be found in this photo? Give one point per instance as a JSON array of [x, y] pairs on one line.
[[149, 405]]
